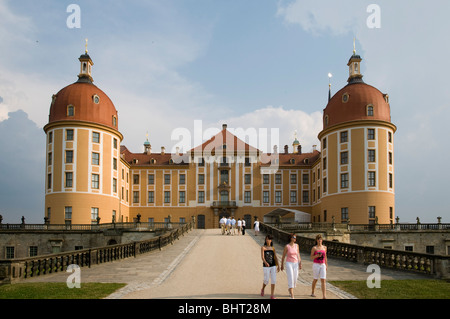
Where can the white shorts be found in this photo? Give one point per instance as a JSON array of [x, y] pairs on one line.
[[319, 271], [270, 273]]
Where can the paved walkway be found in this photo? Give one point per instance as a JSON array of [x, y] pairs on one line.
[[205, 264]]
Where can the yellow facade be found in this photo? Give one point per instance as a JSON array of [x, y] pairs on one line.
[[90, 175]]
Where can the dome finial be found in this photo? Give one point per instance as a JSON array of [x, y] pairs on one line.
[[86, 45], [354, 46]]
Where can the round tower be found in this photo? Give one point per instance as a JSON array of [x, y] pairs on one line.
[[357, 165], [83, 153]]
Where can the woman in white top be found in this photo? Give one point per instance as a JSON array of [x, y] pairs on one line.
[[256, 226], [239, 226]]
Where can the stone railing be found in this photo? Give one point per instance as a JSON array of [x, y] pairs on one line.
[[90, 227], [287, 226], [435, 265], [13, 270]]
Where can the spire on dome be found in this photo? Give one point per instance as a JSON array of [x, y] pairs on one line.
[[85, 67], [354, 65]]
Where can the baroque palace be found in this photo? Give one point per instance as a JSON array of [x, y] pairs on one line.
[[91, 177]]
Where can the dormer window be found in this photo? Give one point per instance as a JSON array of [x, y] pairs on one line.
[[96, 99], [369, 111], [70, 110]]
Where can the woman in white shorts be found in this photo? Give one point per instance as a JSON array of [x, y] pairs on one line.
[[320, 265], [293, 263], [270, 265]]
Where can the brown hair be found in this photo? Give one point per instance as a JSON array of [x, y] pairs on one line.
[[319, 236]]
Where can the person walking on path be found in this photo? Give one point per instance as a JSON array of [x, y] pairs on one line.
[[239, 226], [320, 266], [293, 263], [270, 265], [223, 221], [233, 225], [256, 227], [243, 226], [228, 226]]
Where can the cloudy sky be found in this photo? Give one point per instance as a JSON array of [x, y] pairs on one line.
[[251, 64]]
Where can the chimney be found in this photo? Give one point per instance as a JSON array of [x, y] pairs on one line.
[[286, 149], [163, 150], [314, 148], [224, 126]]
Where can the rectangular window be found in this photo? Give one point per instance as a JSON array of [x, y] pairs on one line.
[[49, 181], [324, 185], [50, 159], [182, 197], [201, 179], [306, 179], [114, 185], [429, 249], [166, 197], [201, 162], [390, 137], [306, 197], [278, 197], [277, 178], [135, 179], [371, 156], [371, 212], [390, 158], [135, 196], [391, 182], [265, 197], [344, 180], [324, 143], [95, 137], [69, 135], [95, 181], [166, 179], [32, 251], [151, 179], [10, 252], [344, 137], [115, 143], [248, 178], [68, 212], [265, 178], [115, 163], [69, 157], [247, 196], [247, 161], [50, 137], [344, 213], [324, 163], [293, 196], [151, 196], [370, 134], [182, 179], [94, 213], [409, 248], [69, 179], [344, 158], [201, 196], [293, 178], [371, 179], [95, 158], [224, 176]]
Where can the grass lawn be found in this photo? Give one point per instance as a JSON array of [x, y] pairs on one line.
[[53, 290], [397, 289]]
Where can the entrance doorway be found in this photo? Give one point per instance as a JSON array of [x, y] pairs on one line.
[[201, 221]]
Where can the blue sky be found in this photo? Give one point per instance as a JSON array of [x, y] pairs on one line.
[[252, 63]]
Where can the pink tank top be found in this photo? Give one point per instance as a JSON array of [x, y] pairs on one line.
[[320, 260], [291, 255]]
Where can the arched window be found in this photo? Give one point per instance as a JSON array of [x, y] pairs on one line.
[[369, 110], [70, 110]]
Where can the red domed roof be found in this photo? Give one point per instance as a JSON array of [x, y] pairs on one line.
[[351, 104], [90, 104]]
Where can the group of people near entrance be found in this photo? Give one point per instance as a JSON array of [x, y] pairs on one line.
[[231, 226], [293, 264]]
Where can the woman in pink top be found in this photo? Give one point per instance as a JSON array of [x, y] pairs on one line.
[[293, 263], [320, 265]]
